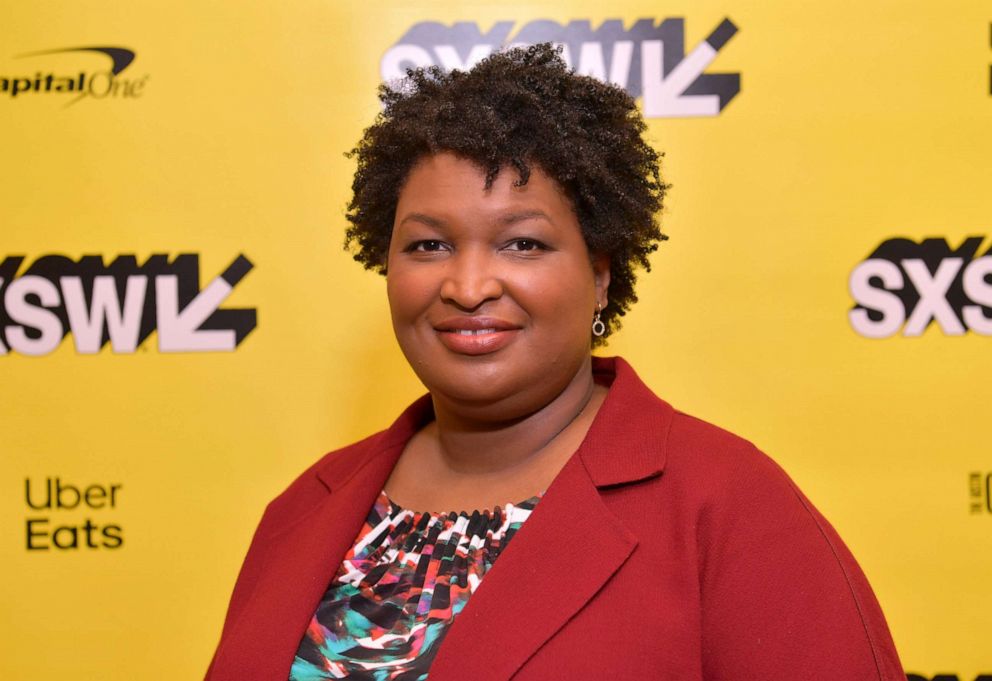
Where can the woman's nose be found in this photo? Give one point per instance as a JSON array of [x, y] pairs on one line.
[[471, 279]]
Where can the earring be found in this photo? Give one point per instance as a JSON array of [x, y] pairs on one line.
[[598, 327]]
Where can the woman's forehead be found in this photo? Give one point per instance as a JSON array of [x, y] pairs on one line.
[[445, 177]]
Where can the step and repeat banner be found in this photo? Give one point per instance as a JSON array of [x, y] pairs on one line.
[[181, 332]]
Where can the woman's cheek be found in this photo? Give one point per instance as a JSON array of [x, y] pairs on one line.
[[411, 294]]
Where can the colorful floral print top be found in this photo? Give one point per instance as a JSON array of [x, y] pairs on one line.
[[399, 588]]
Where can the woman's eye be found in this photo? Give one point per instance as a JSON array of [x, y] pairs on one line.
[[525, 245], [427, 245]]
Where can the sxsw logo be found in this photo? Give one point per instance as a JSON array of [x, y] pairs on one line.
[[904, 287], [120, 303], [648, 60]]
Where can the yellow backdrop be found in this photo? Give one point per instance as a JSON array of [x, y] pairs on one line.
[[194, 151]]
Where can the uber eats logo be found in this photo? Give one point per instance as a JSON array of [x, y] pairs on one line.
[[649, 60], [903, 287], [54, 522], [96, 73], [120, 303]]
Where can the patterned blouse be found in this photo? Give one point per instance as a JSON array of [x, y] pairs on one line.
[[398, 590]]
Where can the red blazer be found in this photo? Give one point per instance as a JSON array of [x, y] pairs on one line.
[[666, 548]]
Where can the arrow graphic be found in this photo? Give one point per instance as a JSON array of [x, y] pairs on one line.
[[665, 95], [180, 330]]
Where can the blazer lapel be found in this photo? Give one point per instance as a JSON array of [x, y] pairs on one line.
[[565, 552]]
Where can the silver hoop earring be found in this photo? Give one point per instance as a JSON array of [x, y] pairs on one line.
[[598, 327]]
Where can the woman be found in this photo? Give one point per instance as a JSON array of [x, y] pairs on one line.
[[508, 208]]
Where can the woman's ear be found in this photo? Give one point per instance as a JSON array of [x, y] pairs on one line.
[[601, 276]]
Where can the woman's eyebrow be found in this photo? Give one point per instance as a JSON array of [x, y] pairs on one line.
[[520, 216], [423, 219]]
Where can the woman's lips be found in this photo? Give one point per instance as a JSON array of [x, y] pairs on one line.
[[476, 335]]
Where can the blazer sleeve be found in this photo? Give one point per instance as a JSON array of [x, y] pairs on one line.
[[782, 598]]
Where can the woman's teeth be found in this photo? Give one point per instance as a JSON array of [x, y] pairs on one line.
[[474, 332]]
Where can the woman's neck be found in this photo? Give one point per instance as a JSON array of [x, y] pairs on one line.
[[468, 445], [468, 459]]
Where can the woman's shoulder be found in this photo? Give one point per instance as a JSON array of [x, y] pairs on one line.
[[720, 468], [687, 447], [698, 446]]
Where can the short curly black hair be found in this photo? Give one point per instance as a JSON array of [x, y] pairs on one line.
[[519, 107]]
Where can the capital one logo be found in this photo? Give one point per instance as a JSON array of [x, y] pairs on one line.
[[648, 60], [904, 287], [120, 304], [84, 82]]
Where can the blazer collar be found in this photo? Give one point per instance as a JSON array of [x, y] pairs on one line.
[[632, 420]]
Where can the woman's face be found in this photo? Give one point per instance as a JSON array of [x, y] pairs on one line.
[[492, 292]]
